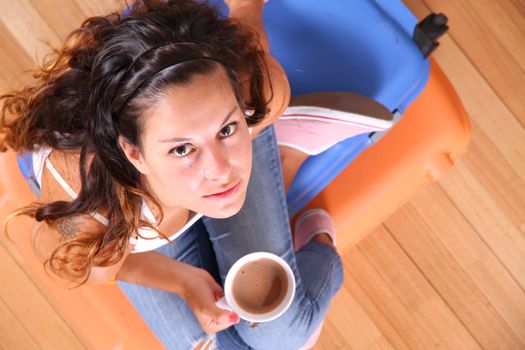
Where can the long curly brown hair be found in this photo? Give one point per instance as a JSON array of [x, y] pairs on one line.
[[95, 88]]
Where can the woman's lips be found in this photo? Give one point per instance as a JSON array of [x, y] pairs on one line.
[[227, 193]]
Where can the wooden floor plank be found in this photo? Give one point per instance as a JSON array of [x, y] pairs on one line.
[[504, 23], [491, 218], [331, 339], [13, 334], [507, 22], [414, 292], [15, 61], [99, 7], [371, 307], [450, 280], [29, 28], [519, 6], [27, 301], [500, 57], [61, 19], [381, 344], [501, 179], [382, 305], [349, 319], [473, 255]]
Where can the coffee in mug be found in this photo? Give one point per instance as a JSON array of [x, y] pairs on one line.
[[259, 287]]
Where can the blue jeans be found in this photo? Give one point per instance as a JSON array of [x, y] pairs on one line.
[[215, 244]]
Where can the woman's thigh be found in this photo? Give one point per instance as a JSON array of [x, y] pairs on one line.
[[263, 225], [169, 316]]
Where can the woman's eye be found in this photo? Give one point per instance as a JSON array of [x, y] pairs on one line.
[[181, 151], [229, 129]]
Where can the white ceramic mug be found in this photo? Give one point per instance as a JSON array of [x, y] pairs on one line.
[[228, 302]]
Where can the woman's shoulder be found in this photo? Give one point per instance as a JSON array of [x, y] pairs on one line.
[[66, 166]]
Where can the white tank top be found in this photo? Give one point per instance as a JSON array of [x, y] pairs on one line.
[[150, 240]]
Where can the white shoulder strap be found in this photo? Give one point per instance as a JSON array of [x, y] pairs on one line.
[[60, 179], [70, 191]]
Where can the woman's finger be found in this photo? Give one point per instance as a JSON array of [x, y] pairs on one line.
[[221, 321], [217, 294]]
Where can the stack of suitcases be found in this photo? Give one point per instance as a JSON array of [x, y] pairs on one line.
[[373, 48]]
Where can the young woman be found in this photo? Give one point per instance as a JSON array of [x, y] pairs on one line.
[[142, 132]]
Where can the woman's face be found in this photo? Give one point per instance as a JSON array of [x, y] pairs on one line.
[[196, 148]]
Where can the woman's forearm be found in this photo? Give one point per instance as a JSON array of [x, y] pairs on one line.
[[154, 270]]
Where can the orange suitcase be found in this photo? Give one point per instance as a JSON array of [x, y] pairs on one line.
[[433, 133]]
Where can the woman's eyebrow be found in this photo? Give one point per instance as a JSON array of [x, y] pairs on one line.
[[229, 115], [185, 139]]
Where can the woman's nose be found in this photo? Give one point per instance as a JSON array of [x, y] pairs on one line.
[[217, 166]]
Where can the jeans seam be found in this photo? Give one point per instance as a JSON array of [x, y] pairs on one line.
[[277, 174]]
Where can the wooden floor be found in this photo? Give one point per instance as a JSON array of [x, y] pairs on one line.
[[447, 270]]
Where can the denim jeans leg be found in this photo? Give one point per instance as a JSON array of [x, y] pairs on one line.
[[169, 317], [263, 225]]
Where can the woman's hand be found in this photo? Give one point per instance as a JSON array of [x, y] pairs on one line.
[[201, 292], [194, 285]]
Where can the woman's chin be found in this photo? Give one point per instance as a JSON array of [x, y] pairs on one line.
[[226, 211], [223, 215]]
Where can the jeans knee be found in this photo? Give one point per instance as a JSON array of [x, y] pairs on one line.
[[287, 332], [286, 340]]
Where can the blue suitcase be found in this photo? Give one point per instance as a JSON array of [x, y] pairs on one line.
[[360, 46]]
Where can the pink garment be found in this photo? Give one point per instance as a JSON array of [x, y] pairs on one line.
[[313, 130], [311, 223]]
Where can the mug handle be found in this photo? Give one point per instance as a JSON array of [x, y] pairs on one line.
[[223, 304]]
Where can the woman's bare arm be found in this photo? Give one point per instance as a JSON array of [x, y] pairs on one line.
[[250, 14], [158, 271], [150, 269], [46, 239]]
